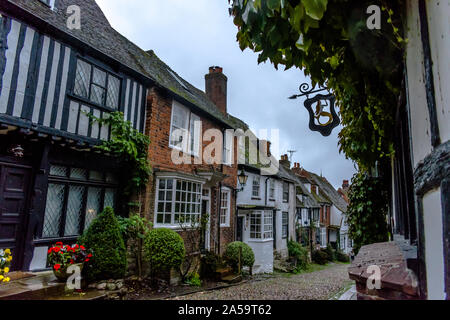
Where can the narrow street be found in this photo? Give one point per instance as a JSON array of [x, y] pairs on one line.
[[319, 285]]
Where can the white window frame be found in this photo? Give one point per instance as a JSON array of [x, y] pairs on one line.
[[227, 152], [264, 220], [193, 127], [225, 219], [323, 237], [173, 201], [284, 192], [256, 186], [272, 189], [284, 225]]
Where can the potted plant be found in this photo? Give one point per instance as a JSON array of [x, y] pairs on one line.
[[61, 257], [5, 262]]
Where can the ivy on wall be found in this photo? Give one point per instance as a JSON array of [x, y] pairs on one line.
[[130, 146]]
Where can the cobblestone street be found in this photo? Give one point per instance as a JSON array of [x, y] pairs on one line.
[[319, 285]]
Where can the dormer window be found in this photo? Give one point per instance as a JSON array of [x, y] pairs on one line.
[[50, 3]]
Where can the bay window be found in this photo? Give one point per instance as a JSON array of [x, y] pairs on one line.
[[261, 225], [178, 202], [96, 85], [185, 130], [75, 197]]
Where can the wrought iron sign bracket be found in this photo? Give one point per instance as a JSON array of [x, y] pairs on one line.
[[322, 102]]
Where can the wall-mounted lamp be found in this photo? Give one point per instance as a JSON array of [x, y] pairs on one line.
[[242, 178]]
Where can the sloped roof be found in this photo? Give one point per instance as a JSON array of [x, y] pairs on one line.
[[329, 192], [96, 32]]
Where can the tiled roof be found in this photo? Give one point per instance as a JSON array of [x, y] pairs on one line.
[[96, 32], [329, 192]]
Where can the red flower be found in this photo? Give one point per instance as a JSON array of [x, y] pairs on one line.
[[76, 247], [68, 248], [50, 251], [59, 244], [56, 249], [82, 248], [71, 261], [57, 267], [89, 255], [87, 260]]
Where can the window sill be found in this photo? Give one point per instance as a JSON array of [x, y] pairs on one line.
[[227, 225], [260, 240]]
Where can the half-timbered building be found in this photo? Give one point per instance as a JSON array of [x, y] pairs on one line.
[[53, 183]]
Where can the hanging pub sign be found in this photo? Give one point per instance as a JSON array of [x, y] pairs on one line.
[[321, 108]]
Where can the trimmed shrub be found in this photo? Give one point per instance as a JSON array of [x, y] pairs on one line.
[[193, 279], [231, 255], [299, 254], [104, 238], [331, 253], [342, 257], [208, 265], [164, 249], [320, 257]]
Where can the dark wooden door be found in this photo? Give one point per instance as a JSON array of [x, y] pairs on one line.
[[240, 229], [14, 184]]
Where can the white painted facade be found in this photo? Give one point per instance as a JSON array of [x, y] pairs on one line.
[[249, 202]]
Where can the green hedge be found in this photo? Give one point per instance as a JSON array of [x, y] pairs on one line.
[[299, 253], [342, 257], [231, 255], [320, 257], [105, 240], [164, 249]]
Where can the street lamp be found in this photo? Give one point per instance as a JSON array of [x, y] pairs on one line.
[[242, 178]]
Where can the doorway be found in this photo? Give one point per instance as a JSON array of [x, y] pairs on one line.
[[206, 212], [240, 229], [14, 186]]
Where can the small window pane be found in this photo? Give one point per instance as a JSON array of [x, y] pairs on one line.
[[112, 98], [110, 198], [77, 173], [53, 210], [95, 175], [92, 205], [97, 94], [82, 79], [74, 210], [58, 171], [99, 77]]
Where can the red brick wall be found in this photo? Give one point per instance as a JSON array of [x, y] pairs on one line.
[[159, 111]]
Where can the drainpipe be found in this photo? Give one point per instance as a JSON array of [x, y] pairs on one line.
[[218, 217]]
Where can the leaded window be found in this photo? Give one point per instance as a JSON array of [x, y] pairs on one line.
[[178, 202], [75, 197], [96, 85]]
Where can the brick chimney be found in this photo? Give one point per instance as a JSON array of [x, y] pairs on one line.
[[345, 185], [216, 88], [285, 162]]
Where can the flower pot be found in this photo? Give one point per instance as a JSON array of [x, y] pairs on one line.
[[62, 275]]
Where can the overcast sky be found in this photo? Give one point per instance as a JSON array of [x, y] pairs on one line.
[[191, 36]]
